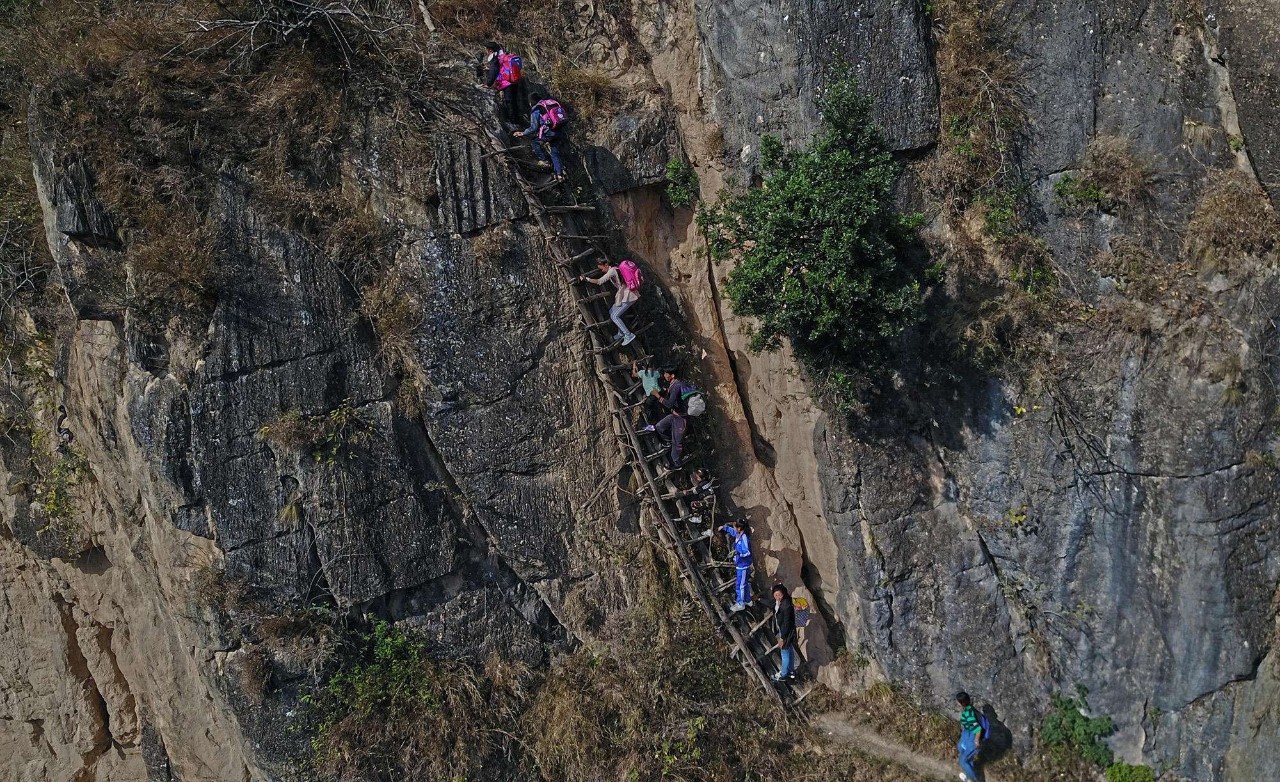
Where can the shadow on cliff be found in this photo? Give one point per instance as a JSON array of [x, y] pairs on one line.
[[932, 385]]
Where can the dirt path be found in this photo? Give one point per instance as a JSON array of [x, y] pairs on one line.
[[839, 728]]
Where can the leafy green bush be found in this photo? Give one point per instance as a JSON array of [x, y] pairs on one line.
[[1123, 772], [682, 183], [1067, 729], [818, 244], [394, 713], [1072, 191]]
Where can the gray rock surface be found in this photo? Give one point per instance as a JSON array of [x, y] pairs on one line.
[[1116, 534], [1250, 37], [764, 66]]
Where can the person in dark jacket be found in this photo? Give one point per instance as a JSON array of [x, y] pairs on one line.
[[540, 134], [504, 76], [672, 427], [784, 626]]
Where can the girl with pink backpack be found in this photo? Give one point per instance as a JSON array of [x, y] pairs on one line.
[[546, 121], [627, 278], [504, 73]]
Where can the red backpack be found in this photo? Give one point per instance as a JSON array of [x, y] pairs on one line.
[[553, 115], [631, 275], [509, 70]]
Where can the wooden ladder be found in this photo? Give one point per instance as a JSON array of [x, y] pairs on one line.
[[573, 246]]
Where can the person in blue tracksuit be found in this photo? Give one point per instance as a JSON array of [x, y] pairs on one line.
[[971, 731], [741, 545]]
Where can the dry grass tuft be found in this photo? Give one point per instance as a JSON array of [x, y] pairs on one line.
[[306, 639], [254, 663], [1232, 219], [981, 99], [1124, 177], [472, 21], [491, 246], [1139, 273], [394, 305], [589, 94]]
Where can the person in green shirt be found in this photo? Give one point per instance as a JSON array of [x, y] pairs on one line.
[[971, 734]]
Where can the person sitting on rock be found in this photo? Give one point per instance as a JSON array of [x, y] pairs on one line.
[[545, 118], [503, 72], [784, 626], [622, 300], [672, 427], [971, 732], [741, 545]]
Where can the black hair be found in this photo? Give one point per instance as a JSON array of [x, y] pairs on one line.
[[962, 698], [492, 46], [535, 98], [671, 369], [779, 587], [603, 261]]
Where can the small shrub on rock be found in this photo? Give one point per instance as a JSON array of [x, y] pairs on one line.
[[682, 183], [819, 247], [1067, 729], [1123, 772]]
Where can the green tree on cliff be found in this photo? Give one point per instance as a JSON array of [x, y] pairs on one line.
[[818, 244]]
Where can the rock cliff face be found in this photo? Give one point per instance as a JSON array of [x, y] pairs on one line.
[[1114, 526], [1113, 530]]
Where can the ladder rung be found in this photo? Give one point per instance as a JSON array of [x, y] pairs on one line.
[[712, 565], [627, 366], [578, 237], [756, 627], [617, 343], [558, 210], [768, 653], [660, 452], [596, 297], [584, 255]]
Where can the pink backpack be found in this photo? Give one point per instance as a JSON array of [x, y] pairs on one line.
[[631, 275], [509, 71], [553, 115]]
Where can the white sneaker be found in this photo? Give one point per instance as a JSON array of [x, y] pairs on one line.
[[706, 534], [736, 607], [964, 777], [645, 429], [629, 339]]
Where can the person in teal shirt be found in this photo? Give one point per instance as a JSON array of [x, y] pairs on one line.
[[651, 380], [971, 733]]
